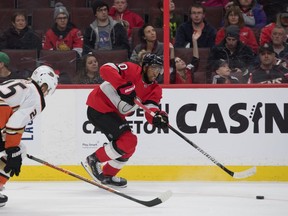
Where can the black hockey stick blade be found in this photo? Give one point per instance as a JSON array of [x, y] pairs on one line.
[[237, 175], [162, 198]]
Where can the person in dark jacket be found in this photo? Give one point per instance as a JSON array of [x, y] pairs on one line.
[[195, 23], [19, 35], [238, 55], [104, 33]]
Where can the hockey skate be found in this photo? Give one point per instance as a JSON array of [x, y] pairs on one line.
[[93, 166], [3, 200], [114, 181]]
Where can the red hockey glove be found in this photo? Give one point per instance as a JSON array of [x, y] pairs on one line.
[[127, 93], [160, 120]]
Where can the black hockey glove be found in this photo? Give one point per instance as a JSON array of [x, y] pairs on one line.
[[14, 161], [127, 93], [160, 120]]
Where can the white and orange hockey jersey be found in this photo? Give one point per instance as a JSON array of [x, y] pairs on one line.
[[20, 101]]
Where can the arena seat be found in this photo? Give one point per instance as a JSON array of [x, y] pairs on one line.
[[64, 61], [30, 5], [42, 19], [82, 17], [22, 59], [69, 4], [115, 56], [7, 4], [214, 16]]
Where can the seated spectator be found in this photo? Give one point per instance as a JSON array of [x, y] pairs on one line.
[[19, 35], [215, 3], [252, 12], [267, 71], [282, 20], [88, 70], [238, 55], [127, 18], [175, 20], [6, 74], [223, 73], [233, 16], [63, 35], [181, 72], [149, 44], [195, 23], [280, 48], [104, 33]]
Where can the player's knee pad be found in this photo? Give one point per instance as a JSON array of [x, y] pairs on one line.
[[127, 142]]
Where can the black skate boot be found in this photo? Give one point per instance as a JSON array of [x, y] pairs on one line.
[[114, 181], [3, 200], [93, 166]]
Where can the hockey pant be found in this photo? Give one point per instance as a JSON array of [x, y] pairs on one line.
[[122, 143]]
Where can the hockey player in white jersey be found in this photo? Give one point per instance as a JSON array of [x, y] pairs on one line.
[[21, 100]]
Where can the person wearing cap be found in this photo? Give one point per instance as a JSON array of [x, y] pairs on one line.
[[238, 55], [104, 33], [6, 73], [268, 71], [63, 35], [19, 35], [281, 20], [223, 73], [233, 16], [198, 23]]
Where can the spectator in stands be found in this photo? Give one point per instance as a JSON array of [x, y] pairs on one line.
[[252, 12], [267, 71], [195, 23], [238, 55], [223, 73], [19, 35], [282, 20], [104, 33], [175, 19], [233, 16], [149, 44], [63, 35], [215, 3], [127, 18], [88, 70], [6, 74], [280, 48], [182, 73]]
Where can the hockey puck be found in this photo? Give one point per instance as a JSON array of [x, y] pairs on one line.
[[259, 197]]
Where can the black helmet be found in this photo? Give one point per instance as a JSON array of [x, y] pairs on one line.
[[151, 59]]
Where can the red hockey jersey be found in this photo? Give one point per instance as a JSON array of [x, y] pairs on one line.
[[104, 98]]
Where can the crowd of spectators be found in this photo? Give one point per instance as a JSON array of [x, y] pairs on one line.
[[248, 46]]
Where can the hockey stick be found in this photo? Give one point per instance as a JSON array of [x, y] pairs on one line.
[[162, 198], [237, 175]]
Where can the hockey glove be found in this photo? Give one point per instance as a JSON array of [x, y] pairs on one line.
[[160, 120], [127, 93], [14, 161]]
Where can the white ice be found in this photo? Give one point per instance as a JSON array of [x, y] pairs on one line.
[[188, 199]]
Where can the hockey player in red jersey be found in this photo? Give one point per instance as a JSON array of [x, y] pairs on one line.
[[21, 100], [108, 105]]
